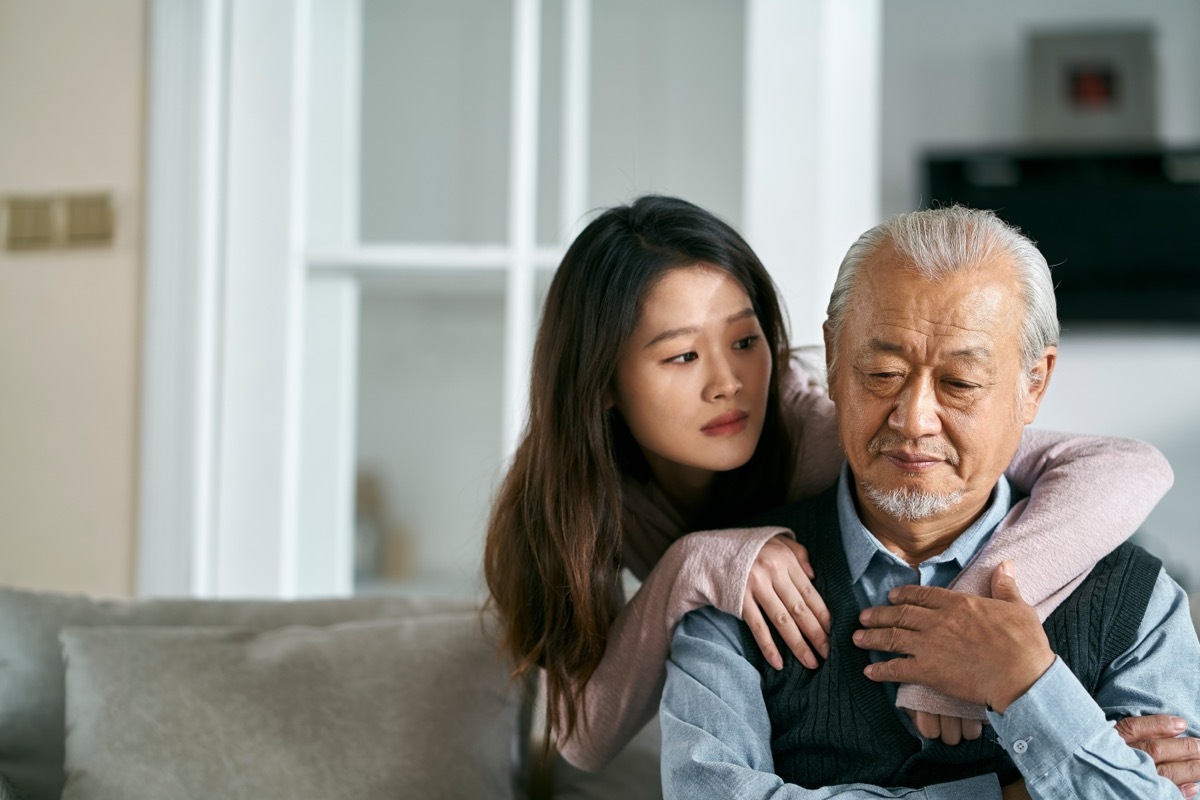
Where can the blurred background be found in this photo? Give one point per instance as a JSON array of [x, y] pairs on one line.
[[270, 270]]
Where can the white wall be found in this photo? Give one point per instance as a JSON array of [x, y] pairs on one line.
[[953, 76], [71, 83]]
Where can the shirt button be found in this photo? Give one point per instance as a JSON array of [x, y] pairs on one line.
[[1020, 746]]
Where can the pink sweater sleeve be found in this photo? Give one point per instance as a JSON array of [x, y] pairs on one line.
[[700, 569], [1087, 495]]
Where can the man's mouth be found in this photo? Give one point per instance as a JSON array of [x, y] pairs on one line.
[[912, 462]]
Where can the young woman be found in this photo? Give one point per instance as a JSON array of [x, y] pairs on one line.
[[664, 400]]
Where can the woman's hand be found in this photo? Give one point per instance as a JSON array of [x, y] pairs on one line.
[[950, 730], [1177, 758], [780, 590]]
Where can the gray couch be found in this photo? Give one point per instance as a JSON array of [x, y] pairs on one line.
[[369, 697], [361, 698]]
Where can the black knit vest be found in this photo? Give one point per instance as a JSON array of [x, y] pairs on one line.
[[833, 726]]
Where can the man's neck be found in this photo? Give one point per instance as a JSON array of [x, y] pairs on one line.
[[916, 541]]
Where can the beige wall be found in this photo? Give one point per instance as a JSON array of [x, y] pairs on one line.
[[71, 105]]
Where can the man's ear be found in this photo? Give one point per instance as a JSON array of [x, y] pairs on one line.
[[1039, 381]]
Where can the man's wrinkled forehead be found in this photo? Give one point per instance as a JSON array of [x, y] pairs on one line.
[[965, 311]]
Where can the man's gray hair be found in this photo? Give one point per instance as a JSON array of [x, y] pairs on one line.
[[939, 242]]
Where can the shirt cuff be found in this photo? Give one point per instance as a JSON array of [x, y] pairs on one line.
[[1049, 723]]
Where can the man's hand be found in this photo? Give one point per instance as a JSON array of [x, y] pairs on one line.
[[1177, 759], [983, 650]]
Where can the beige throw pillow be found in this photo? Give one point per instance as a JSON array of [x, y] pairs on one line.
[[408, 707], [31, 663]]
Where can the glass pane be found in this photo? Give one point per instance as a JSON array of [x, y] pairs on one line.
[[430, 396], [666, 106], [550, 129], [435, 120]]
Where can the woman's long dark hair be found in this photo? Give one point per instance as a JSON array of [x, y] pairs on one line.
[[553, 552]]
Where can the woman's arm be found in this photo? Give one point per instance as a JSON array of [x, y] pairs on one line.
[[812, 418], [1087, 495], [700, 569]]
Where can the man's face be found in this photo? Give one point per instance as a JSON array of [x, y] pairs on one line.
[[930, 391]]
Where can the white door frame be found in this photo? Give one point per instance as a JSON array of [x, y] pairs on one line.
[[244, 491]]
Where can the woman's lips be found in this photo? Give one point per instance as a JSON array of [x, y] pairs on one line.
[[727, 424]]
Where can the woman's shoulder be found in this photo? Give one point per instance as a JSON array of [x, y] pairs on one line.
[[804, 389], [811, 416]]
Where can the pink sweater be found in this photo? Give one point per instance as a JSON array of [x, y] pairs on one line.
[[1087, 495]]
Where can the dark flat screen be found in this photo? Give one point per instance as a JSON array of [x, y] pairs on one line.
[[1121, 231]]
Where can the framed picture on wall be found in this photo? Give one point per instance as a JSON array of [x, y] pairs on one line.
[[1092, 87]]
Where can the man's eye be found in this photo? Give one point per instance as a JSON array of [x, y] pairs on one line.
[[745, 343], [683, 358], [961, 386]]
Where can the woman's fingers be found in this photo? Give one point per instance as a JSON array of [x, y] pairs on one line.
[[799, 606], [1151, 726], [928, 725], [950, 730], [761, 632], [780, 594], [781, 616], [972, 729], [812, 599], [1176, 757]]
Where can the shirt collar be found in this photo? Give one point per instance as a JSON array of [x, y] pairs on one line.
[[861, 546]]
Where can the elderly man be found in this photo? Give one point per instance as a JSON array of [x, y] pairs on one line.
[[940, 342]]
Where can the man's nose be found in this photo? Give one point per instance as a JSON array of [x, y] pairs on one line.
[[916, 413], [723, 382]]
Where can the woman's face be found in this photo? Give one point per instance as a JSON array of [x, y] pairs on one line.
[[692, 380]]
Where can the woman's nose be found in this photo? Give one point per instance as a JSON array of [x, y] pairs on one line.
[[723, 382]]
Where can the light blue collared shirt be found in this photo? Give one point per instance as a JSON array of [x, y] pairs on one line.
[[717, 735], [875, 570]]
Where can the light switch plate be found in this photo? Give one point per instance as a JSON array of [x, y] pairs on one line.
[[89, 220], [30, 223]]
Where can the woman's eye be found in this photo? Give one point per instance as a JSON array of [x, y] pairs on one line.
[[683, 358], [745, 343]]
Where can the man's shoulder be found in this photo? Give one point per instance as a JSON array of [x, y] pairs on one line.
[[710, 624], [1169, 604]]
